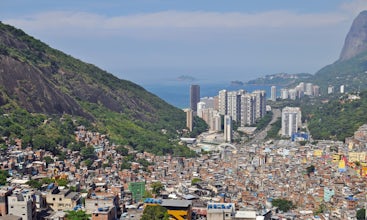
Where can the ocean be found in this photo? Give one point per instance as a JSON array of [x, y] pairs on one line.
[[178, 93]]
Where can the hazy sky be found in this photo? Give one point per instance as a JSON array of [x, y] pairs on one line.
[[151, 41]]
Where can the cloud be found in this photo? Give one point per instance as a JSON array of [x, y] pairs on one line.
[[176, 19]]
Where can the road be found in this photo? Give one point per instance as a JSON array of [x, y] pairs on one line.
[[260, 136]]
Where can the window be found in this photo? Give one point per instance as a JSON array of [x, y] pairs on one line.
[[53, 199], [60, 199]]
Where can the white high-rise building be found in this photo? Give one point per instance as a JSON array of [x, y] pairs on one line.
[[284, 94], [330, 89], [342, 89], [209, 101], [222, 102], [291, 120], [273, 94], [309, 89], [228, 128], [200, 108], [234, 104], [248, 109]]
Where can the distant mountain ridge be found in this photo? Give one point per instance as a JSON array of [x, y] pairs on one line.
[[281, 79], [44, 80]]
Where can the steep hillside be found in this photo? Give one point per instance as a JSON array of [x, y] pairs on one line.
[[44, 80], [356, 40], [350, 69]]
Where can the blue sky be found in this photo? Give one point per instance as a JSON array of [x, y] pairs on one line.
[[152, 42]]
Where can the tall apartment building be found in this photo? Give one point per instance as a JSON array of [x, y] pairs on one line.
[[216, 123], [222, 102], [228, 129], [248, 109], [234, 104], [189, 118], [194, 97], [309, 90], [260, 103], [284, 94], [291, 120], [209, 101], [201, 106], [273, 93]]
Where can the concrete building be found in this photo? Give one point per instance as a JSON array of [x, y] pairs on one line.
[[60, 200], [228, 129], [234, 104], [102, 205], [284, 94], [309, 89], [330, 89], [291, 120], [342, 89], [273, 93], [216, 123], [260, 103], [201, 106], [209, 101], [189, 118], [316, 90], [194, 97], [4, 193], [292, 94], [22, 204], [222, 102], [248, 109], [225, 211]]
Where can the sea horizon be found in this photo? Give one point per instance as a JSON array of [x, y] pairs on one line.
[[178, 93]]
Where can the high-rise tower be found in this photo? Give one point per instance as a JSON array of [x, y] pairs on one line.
[[194, 97]]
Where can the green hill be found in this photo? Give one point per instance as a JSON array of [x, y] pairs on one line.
[[48, 83], [352, 73]]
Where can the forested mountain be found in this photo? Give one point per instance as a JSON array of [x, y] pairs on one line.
[[48, 82]]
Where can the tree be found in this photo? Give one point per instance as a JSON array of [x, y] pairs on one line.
[[88, 153], [48, 160], [77, 215], [283, 204], [157, 187], [361, 214], [155, 213], [195, 181], [3, 175], [34, 184]]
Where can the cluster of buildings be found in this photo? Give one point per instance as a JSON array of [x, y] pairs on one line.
[[298, 92], [331, 89], [232, 182], [239, 106]]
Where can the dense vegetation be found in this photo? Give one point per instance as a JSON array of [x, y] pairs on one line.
[[336, 119], [155, 213], [273, 133], [283, 204], [280, 79], [124, 111], [351, 73], [264, 121]]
